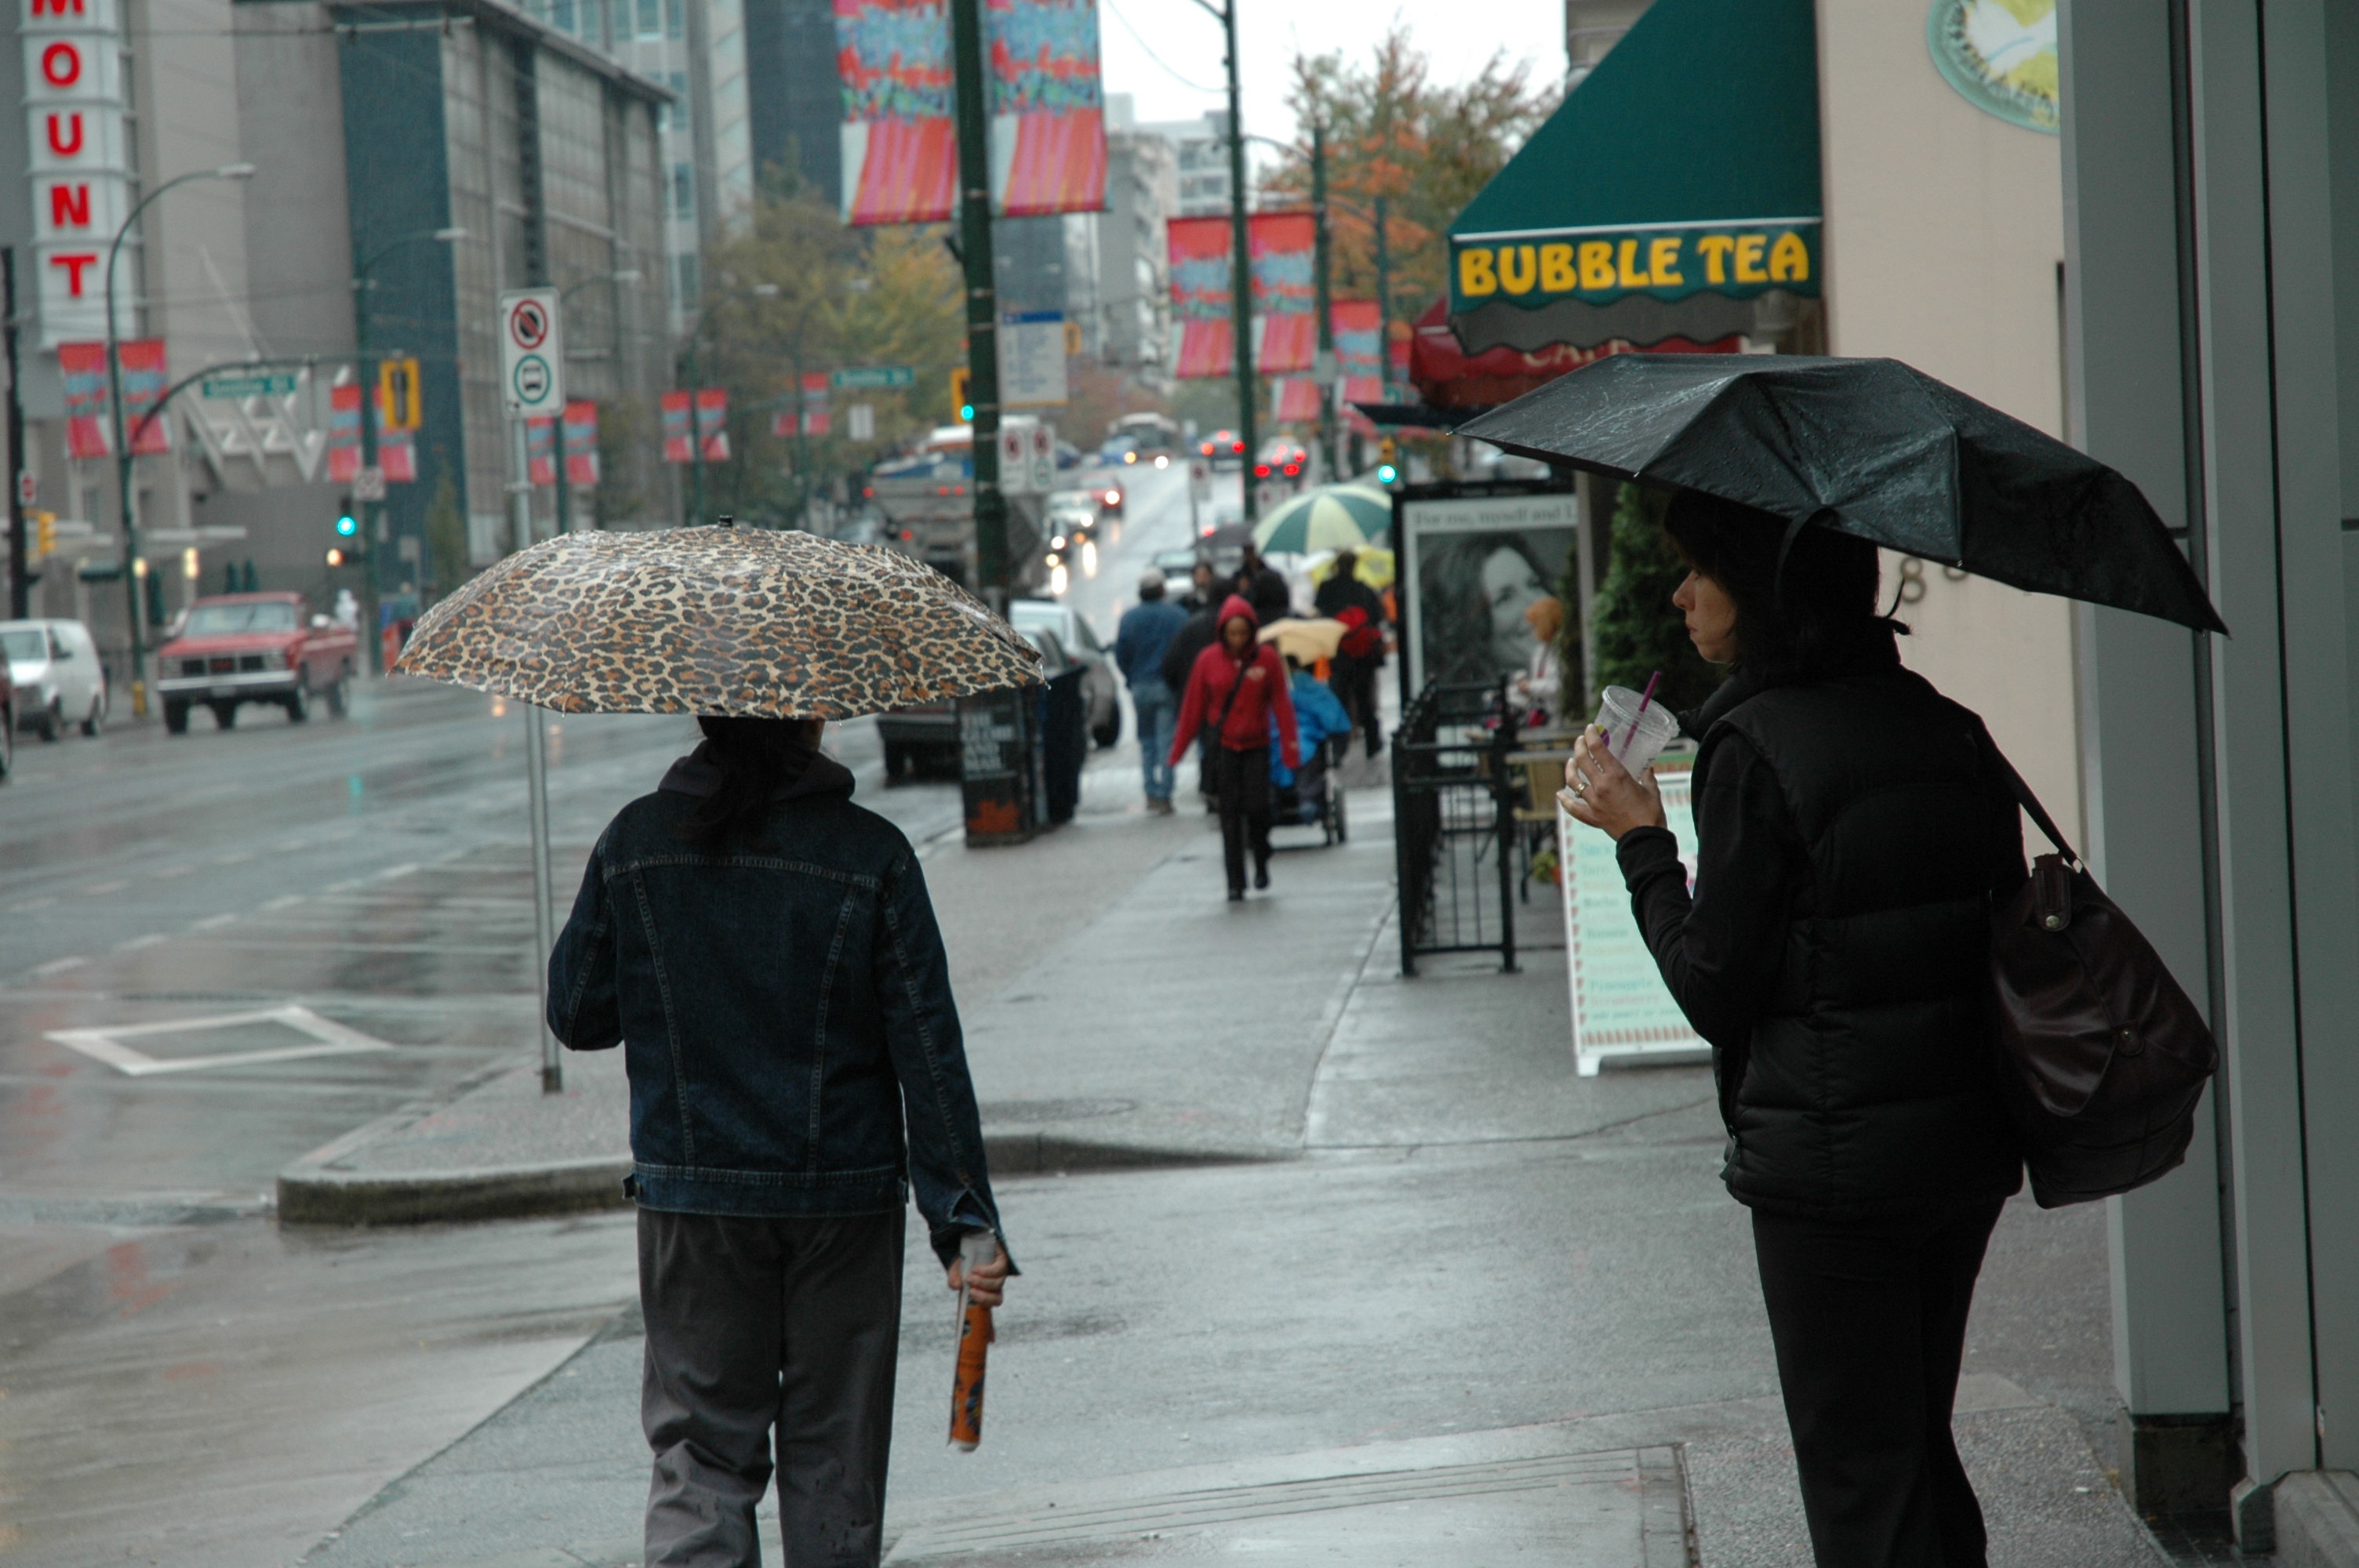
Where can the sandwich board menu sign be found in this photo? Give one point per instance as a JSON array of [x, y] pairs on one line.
[[1621, 1009]]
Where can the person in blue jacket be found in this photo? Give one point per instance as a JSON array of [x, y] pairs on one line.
[[1139, 644]]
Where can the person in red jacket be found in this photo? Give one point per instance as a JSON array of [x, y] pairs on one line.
[[1235, 688]]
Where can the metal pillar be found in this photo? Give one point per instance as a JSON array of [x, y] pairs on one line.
[[981, 300], [1240, 264]]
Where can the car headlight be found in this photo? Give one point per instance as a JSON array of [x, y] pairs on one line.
[[1058, 543]]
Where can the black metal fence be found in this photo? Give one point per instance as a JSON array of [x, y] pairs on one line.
[[1453, 822]]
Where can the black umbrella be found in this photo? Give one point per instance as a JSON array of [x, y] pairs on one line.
[[1870, 448]]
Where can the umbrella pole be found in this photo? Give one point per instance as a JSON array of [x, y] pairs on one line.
[[544, 924]]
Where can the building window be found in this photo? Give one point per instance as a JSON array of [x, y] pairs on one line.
[[562, 18], [650, 18], [683, 280], [683, 191], [676, 112], [675, 18]]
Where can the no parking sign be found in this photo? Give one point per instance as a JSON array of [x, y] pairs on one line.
[[532, 352]]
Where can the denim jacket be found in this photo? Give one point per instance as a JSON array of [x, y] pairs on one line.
[[784, 1007]]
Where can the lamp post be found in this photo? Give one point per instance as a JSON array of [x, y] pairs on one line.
[[1241, 257], [123, 463], [365, 369], [564, 482], [695, 416]]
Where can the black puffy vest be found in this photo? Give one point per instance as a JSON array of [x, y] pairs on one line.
[[1869, 1087]]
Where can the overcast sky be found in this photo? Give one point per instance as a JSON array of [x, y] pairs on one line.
[[1167, 53]]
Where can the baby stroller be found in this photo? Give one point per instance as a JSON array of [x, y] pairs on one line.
[[1314, 798]]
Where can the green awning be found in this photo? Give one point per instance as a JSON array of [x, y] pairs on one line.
[[1674, 193]]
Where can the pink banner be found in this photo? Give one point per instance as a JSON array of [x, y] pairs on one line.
[[397, 454], [1286, 322], [343, 433], [1284, 246], [1200, 251], [899, 142], [676, 448], [144, 379], [83, 366], [1295, 400], [581, 444], [540, 452], [713, 423]]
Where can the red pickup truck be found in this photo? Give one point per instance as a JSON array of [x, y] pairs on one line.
[[255, 647]]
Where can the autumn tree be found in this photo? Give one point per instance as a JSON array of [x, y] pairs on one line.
[[1398, 145]]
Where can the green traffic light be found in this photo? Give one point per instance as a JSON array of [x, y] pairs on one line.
[[347, 526], [1387, 474], [966, 412]]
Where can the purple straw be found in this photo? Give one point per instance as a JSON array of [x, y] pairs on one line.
[[1643, 698]]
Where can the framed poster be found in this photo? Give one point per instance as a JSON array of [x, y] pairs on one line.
[[1473, 557], [1621, 1009]]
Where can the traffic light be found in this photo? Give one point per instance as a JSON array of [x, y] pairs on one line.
[[336, 557], [348, 526], [1388, 461], [45, 534], [347, 523], [959, 404]]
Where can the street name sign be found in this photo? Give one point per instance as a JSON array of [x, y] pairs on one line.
[[872, 378], [532, 352], [255, 384]]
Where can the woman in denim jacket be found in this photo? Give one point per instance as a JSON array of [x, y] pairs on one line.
[[766, 955]]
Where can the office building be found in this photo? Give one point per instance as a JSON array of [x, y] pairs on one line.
[[798, 106]]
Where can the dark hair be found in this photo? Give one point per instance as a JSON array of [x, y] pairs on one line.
[[1813, 614], [757, 758]]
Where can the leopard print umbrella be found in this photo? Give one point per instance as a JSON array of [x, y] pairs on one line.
[[723, 621]]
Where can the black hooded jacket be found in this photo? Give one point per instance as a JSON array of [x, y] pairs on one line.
[[1835, 951]]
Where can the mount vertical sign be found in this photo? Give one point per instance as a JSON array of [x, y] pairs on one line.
[[80, 179]]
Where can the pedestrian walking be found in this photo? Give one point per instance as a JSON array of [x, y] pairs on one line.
[[1263, 588], [1140, 641], [765, 952], [1343, 597], [1235, 689], [1852, 835], [1199, 631], [1204, 590]]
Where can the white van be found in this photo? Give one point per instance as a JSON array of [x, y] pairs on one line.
[[54, 667]]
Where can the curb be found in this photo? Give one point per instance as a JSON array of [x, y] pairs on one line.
[[312, 1191]]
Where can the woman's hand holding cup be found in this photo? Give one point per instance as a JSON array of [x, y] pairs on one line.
[[1601, 793]]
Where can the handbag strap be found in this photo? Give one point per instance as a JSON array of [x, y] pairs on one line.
[[2024, 798], [1220, 725]]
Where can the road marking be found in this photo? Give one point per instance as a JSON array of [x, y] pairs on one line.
[[107, 1045], [101, 889], [236, 858], [213, 922], [138, 942], [170, 872], [288, 901], [392, 872], [58, 966], [345, 886], [30, 904]]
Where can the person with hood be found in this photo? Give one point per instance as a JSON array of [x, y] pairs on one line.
[[1235, 691], [1853, 831], [765, 953], [1197, 633]]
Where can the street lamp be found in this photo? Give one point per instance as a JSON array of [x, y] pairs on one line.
[[695, 420], [1241, 258], [363, 283], [121, 451], [564, 485]]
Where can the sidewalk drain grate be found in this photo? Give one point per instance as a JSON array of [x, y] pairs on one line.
[[1650, 1471]]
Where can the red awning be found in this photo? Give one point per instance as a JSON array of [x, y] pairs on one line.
[[1446, 376]]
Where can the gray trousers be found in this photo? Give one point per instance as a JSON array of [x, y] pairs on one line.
[[761, 1324]]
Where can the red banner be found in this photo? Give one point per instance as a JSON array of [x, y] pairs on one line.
[[676, 447], [397, 454], [581, 444], [146, 377], [1295, 400], [83, 366], [1285, 321], [1199, 253], [343, 433], [713, 422], [540, 452]]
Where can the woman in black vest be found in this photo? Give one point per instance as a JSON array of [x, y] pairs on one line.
[[1849, 841]]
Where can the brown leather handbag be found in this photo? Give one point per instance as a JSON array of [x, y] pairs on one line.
[[2102, 1058]]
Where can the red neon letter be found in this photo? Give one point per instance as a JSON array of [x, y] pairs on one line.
[[57, 7], [61, 64], [66, 146], [73, 266], [70, 206]]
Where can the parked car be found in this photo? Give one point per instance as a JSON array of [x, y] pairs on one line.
[[255, 647], [54, 669], [1102, 684], [1281, 459]]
